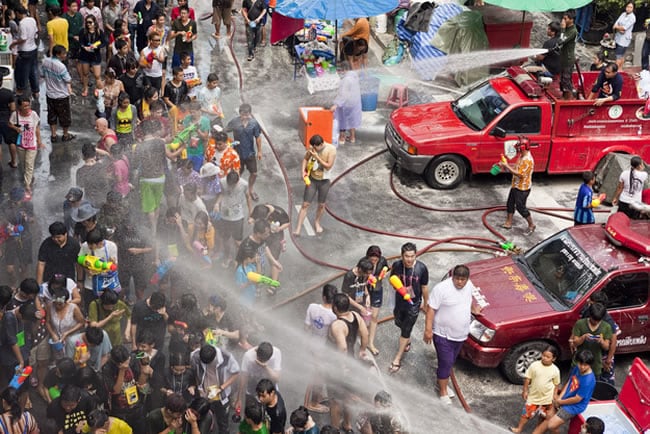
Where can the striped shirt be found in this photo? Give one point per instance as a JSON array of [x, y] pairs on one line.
[[522, 176]]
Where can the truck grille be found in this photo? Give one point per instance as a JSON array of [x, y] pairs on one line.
[[391, 136]]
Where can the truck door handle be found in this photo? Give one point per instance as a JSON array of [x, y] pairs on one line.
[[642, 318]]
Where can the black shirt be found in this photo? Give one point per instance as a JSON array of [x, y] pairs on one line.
[[67, 422], [552, 58], [277, 415], [148, 319], [6, 98], [59, 260], [134, 86], [413, 279]]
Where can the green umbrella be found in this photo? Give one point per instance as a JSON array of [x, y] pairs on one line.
[[537, 6]]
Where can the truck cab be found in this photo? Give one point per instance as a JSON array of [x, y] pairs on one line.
[[533, 300]]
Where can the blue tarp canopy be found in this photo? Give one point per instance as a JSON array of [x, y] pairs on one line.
[[334, 9], [421, 49]]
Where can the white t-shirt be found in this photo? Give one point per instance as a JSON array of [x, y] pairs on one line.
[[318, 319], [28, 125], [28, 31], [70, 285], [453, 310], [190, 209], [254, 371], [190, 73], [638, 181], [233, 200], [107, 253], [210, 100], [156, 67]]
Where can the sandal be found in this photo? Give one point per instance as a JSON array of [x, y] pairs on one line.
[[67, 137], [394, 368], [54, 138], [530, 230], [407, 348], [13, 165], [254, 196], [504, 226], [374, 351]]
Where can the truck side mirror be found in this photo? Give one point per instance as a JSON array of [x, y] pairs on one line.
[[498, 132]]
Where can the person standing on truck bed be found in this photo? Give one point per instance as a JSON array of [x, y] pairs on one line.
[[630, 187], [623, 28], [567, 47], [522, 178], [608, 87]]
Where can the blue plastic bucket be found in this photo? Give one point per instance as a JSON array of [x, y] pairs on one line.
[[369, 93]]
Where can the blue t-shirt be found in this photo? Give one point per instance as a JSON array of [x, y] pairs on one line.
[[245, 135], [582, 385], [583, 214]]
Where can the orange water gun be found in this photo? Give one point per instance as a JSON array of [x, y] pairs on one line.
[[399, 287], [372, 280]]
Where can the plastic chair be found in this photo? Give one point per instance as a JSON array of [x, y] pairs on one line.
[[398, 96]]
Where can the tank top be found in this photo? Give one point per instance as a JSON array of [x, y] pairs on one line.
[[123, 121], [62, 325], [353, 331], [102, 142]]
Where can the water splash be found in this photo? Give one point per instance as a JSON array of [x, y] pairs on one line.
[[430, 68]]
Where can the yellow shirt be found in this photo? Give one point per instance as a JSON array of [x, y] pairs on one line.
[[543, 380], [117, 426], [57, 29]]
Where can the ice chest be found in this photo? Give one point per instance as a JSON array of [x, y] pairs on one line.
[[315, 120], [630, 413]]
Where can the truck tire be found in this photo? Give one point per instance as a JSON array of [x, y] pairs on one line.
[[445, 172], [519, 358]]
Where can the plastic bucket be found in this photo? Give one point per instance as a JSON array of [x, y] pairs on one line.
[[369, 102], [369, 93], [495, 170], [56, 346]]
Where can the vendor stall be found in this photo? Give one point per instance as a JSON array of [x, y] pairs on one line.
[[316, 57]]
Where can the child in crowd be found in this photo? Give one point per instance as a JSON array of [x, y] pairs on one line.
[[210, 99], [246, 262], [541, 384], [254, 421], [190, 75], [584, 209], [575, 395]]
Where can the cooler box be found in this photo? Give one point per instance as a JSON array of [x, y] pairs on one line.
[[315, 120], [630, 413], [504, 27]]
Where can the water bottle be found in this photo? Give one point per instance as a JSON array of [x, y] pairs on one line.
[[3, 41]]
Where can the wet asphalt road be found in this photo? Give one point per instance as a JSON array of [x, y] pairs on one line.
[[362, 198]]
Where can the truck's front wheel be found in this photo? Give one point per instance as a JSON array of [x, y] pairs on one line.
[[445, 172], [520, 357]]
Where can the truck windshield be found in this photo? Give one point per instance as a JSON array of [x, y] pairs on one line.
[[479, 107], [564, 269]]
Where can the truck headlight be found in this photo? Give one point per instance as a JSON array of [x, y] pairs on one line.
[[480, 332]]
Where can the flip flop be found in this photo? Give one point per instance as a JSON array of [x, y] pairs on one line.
[[67, 137], [255, 197], [506, 227], [394, 368], [13, 165], [373, 351]]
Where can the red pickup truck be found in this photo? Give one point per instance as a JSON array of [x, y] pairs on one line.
[[533, 300], [446, 141]]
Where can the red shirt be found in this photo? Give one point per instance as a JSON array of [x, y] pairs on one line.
[[176, 12]]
